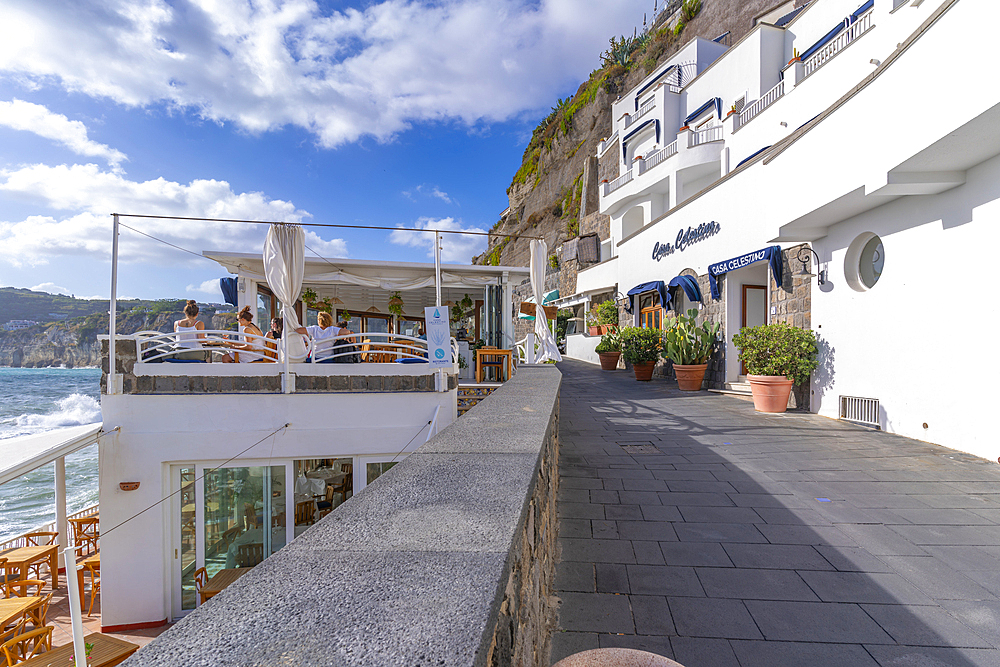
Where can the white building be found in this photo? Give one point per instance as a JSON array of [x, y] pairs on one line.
[[868, 132], [242, 452], [17, 325]]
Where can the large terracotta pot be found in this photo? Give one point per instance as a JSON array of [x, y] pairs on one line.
[[609, 360], [690, 377], [644, 371], [594, 331], [770, 392]]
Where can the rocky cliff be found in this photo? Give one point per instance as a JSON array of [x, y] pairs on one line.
[[554, 194], [74, 343]]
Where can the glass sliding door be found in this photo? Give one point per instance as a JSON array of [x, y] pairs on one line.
[[184, 542], [244, 510]]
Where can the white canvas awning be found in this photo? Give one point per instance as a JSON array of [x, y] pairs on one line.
[[23, 454]]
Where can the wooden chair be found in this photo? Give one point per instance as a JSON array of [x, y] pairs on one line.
[[37, 614], [86, 532], [250, 516], [249, 555], [200, 579], [95, 584], [491, 361], [11, 631], [20, 588], [27, 645], [305, 513], [229, 535], [325, 506], [39, 539]]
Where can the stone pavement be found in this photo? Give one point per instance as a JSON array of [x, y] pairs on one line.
[[693, 527]]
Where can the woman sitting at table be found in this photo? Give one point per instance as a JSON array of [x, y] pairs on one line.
[[322, 335], [188, 341], [253, 348]]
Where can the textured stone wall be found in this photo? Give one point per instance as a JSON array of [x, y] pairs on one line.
[[607, 164], [526, 617], [792, 304], [596, 222]]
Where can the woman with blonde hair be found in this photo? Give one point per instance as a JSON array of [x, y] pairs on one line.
[[252, 348], [322, 334]]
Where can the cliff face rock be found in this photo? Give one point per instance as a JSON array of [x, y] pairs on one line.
[[74, 343], [554, 194]]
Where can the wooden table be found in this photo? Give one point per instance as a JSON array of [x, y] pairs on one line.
[[94, 562], [221, 580], [508, 359], [108, 651], [13, 608], [20, 559]]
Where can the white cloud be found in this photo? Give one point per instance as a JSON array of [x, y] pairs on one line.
[[20, 115], [50, 288], [89, 194], [455, 248], [338, 74], [210, 286], [434, 191]]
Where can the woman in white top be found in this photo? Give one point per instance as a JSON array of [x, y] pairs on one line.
[[188, 339], [322, 335], [253, 348]]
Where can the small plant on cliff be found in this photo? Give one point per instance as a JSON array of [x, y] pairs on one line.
[[690, 9]]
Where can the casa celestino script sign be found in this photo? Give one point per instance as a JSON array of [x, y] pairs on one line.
[[686, 237]]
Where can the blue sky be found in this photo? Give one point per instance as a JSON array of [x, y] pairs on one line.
[[400, 113]]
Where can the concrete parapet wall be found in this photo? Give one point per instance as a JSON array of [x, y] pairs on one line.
[[446, 559]]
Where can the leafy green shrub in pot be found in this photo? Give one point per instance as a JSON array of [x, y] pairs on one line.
[[639, 345], [778, 349], [606, 313], [610, 350], [686, 343]]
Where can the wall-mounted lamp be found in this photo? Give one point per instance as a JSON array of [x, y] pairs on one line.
[[803, 272], [875, 61], [622, 300]]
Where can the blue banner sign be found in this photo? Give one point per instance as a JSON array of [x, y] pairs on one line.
[[771, 254], [438, 327], [686, 237]]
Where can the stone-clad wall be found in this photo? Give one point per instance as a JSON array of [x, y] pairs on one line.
[[447, 559], [792, 304]]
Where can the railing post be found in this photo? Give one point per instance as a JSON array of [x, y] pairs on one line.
[[529, 348], [113, 311]]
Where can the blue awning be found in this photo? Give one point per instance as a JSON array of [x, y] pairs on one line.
[[705, 107], [772, 254], [861, 10], [228, 286], [750, 157], [654, 285], [823, 40], [689, 285], [656, 125]]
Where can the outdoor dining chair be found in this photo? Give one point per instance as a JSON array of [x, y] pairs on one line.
[[37, 614], [200, 579], [86, 532], [249, 555], [95, 583], [11, 631], [20, 588], [27, 645], [39, 539]]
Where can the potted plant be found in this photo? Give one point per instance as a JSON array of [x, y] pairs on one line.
[[396, 304], [606, 314], [593, 328], [609, 350], [776, 357], [641, 348], [689, 346]]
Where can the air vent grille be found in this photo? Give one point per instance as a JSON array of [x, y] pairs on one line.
[[860, 410]]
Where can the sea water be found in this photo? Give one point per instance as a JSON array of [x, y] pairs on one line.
[[34, 400]]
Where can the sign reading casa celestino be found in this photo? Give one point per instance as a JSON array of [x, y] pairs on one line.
[[686, 237]]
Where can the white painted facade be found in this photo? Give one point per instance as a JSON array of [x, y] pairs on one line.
[[146, 532], [892, 135]]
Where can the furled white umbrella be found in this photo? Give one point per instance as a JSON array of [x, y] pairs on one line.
[[284, 268], [547, 348]]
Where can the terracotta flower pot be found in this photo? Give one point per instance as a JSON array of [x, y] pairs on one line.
[[690, 377], [594, 331], [644, 371], [770, 392], [609, 360]]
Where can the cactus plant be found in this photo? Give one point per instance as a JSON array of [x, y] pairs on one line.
[[686, 343]]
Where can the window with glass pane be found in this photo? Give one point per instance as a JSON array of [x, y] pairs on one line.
[[189, 536], [312, 316], [376, 324], [375, 470], [650, 314], [411, 327], [263, 310]]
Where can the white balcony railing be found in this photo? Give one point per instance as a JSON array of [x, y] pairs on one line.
[[618, 182], [21, 541], [605, 144], [384, 348], [709, 134], [766, 100], [646, 107], [831, 49], [660, 156]]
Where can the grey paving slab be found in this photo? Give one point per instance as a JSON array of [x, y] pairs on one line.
[[924, 626], [713, 617], [652, 615], [816, 622], [595, 612], [777, 556], [747, 584], [902, 565], [664, 580], [806, 654], [703, 652], [565, 644]]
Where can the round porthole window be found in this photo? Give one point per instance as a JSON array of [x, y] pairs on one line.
[[864, 262]]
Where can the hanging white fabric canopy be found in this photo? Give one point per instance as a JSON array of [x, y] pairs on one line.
[[547, 348], [284, 268], [345, 278]]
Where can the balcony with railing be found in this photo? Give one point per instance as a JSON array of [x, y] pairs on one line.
[[837, 44], [646, 107], [704, 136], [751, 111]]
